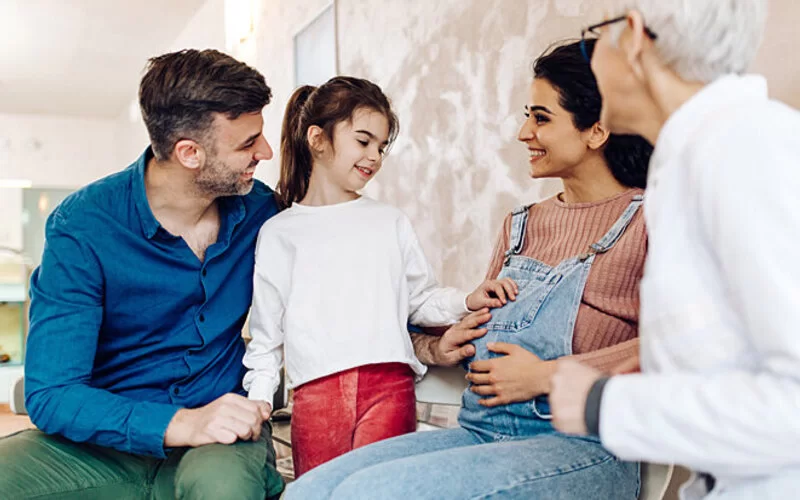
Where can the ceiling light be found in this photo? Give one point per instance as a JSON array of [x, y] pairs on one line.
[[239, 23]]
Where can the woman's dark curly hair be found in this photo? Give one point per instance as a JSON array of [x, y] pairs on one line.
[[565, 68]]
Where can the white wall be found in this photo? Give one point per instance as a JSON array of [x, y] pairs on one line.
[[269, 49], [10, 226], [205, 30], [70, 152], [777, 57], [50, 151], [56, 151], [59, 151], [8, 374]]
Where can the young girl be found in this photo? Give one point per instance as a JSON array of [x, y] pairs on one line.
[[578, 258], [338, 277]]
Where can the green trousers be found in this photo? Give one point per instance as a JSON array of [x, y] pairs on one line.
[[35, 465]]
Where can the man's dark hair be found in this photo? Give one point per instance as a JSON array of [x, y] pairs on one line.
[[565, 68], [181, 91]]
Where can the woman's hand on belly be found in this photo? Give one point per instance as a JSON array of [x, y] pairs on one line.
[[516, 377]]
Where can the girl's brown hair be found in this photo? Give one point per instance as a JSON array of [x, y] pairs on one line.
[[324, 106]]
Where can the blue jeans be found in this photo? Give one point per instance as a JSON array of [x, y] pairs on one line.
[[460, 464]]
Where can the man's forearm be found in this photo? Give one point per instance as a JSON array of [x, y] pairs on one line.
[[87, 414], [424, 347]]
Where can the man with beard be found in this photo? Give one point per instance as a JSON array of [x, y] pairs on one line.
[[134, 362]]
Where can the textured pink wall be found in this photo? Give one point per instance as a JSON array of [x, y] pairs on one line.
[[458, 71]]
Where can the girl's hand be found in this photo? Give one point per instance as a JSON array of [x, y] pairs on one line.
[[492, 293], [516, 377]]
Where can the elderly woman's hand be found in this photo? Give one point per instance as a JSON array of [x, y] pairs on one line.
[[492, 293], [518, 376], [572, 382]]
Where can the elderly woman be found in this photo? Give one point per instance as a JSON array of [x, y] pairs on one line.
[[577, 259], [721, 293]]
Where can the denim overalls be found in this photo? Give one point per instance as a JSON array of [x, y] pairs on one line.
[[541, 320]]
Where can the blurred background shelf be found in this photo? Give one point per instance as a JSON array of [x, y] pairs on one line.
[[12, 292], [14, 273]]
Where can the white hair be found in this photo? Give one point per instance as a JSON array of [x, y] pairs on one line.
[[702, 40]]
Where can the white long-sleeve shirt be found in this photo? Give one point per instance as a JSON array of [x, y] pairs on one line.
[[720, 299], [335, 286]]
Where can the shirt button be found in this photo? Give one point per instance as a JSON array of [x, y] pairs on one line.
[[204, 272], [202, 318], [176, 390]]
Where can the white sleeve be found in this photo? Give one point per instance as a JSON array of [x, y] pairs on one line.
[[429, 304], [738, 422], [264, 355]]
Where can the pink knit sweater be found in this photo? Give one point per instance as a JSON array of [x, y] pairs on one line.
[[606, 329]]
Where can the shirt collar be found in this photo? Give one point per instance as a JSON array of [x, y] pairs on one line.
[[683, 125], [231, 208], [231, 212], [149, 222]]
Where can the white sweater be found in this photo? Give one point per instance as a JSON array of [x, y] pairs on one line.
[[335, 286], [720, 299]]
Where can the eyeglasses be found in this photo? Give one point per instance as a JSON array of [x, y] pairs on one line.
[[592, 30]]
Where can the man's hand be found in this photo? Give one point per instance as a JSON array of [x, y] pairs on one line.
[[492, 293], [225, 420], [454, 345], [570, 387], [518, 376]]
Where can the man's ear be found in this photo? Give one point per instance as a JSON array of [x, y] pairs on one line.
[[635, 38], [596, 136], [189, 153]]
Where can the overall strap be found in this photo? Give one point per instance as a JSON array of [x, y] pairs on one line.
[[608, 241], [519, 221]]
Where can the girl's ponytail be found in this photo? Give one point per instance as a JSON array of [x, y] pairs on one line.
[[295, 155]]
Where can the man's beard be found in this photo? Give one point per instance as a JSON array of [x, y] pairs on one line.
[[218, 179]]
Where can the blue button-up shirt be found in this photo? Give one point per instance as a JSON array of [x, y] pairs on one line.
[[127, 325]]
